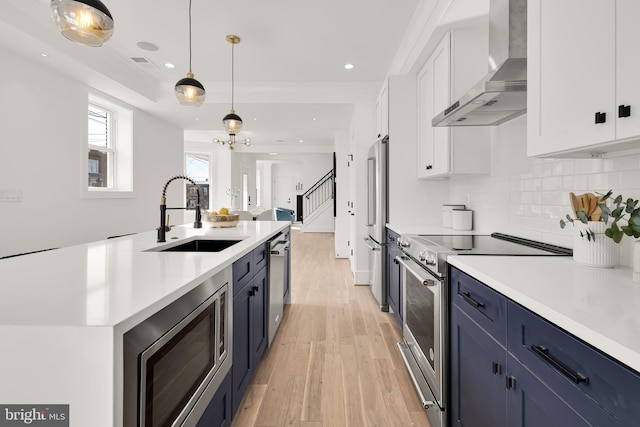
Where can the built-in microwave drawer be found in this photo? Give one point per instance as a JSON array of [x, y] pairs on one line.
[[568, 364], [484, 305]]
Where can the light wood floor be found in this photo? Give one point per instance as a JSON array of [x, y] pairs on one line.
[[334, 361]]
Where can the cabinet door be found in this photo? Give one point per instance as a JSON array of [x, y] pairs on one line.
[[218, 413], [384, 112], [434, 85], [627, 67], [478, 365], [259, 334], [242, 368], [530, 403], [570, 73]]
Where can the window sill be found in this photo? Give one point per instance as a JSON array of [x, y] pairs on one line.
[[107, 194]]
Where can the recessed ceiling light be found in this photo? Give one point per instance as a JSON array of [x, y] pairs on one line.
[[44, 55], [197, 118], [169, 65], [273, 154], [348, 67], [300, 140], [314, 119], [147, 46]]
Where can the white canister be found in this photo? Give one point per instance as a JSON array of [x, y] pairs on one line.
[[446, 214], [462, 219], [599, 250]]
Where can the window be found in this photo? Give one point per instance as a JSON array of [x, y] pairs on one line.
[[101, 148], [109, 150], [197, 168]]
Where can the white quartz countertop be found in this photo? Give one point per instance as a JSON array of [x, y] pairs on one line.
[[117, 281], [601, 306]]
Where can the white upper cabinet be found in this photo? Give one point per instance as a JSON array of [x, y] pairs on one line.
[[382, 112], [456, 64], [434, 81], [583, 69]]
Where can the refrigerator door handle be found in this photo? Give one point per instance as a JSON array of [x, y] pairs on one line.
[[372, 247], [371, 192]]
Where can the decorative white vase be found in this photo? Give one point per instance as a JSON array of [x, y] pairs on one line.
[[600, 251], [636, 261]]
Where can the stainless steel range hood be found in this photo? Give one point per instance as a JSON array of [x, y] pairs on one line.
[[502, 94]]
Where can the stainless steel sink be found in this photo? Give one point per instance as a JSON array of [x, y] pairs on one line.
[[199, 245]]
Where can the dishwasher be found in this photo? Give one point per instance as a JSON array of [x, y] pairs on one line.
[[278, 250]]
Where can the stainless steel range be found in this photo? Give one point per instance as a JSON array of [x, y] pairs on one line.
[[425, 347]]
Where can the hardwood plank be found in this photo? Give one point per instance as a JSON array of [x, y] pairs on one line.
[[312, 400], [333, 391], [353, 401], [248, 410]]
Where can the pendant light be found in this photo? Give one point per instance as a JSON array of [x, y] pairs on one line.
[[232, 122], [189, 91], [87, 22]]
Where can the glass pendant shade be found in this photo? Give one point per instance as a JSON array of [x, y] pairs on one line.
[[87, 22], [189, 91], [232, 123]]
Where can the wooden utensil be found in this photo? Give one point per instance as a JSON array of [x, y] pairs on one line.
[[596, 214], [575, 204]]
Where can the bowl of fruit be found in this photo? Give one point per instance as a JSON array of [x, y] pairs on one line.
[[222, 219]]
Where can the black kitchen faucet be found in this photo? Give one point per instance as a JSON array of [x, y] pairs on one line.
[[164, 227]]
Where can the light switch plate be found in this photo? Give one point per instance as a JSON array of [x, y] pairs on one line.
[[10, 195]]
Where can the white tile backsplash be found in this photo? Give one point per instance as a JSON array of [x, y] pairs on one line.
[[528, 196]]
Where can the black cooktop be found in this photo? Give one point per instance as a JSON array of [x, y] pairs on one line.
[[495, 244]]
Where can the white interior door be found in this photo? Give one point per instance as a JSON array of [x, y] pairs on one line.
[[283, 192]]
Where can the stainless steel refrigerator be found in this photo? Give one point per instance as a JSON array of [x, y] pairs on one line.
[[377, 210]]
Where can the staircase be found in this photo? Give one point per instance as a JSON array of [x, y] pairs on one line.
[[318, 205]]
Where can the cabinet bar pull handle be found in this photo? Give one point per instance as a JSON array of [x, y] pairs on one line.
[[511, 381], [601, 117], [624, 110], [543, 353], [468, 298], [496, 368]]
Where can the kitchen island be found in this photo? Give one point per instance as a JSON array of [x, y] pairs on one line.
[[63, 313]]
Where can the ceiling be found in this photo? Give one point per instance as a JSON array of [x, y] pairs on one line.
[[291, 84]]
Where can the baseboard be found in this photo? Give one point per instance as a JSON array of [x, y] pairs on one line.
[[318, 229], [361, 278], [342, 252]]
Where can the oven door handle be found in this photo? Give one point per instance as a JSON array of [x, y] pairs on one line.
[[427, 281]]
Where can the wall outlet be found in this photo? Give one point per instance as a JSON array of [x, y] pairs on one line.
[[10, 195]]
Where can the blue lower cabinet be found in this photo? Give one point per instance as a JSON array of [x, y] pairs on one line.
[[250, 335], [218, 413], [531, 403], [550, 379], [478, 393], [258, 318]]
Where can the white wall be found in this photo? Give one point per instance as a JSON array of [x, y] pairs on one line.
[[527, 196], [362, 136], [43, 120]]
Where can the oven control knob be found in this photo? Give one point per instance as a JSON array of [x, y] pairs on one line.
[[403, 242], [422, 256], [430, 259]]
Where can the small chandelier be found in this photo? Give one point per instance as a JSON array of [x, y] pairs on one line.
[[232, 122], [87, 22], [188, 90]]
